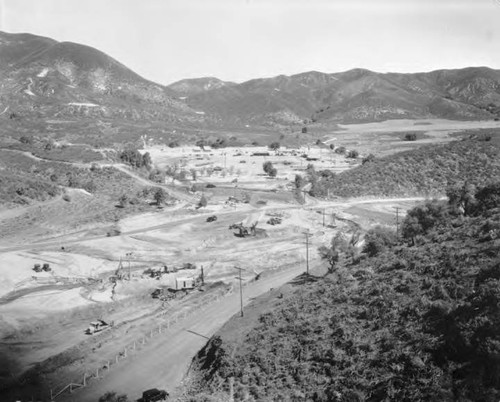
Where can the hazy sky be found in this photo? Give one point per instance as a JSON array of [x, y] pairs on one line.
[[236, 40]]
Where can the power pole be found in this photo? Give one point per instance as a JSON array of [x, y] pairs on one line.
[[397, 221], [307, 234], [128, 257], [324, 217], [241, 290]]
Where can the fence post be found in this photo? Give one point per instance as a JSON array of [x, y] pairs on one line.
[[85, 379]]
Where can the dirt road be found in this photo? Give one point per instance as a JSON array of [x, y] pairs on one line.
[[317, 205], [167, 358]]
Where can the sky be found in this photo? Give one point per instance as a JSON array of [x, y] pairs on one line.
[[237, 40]]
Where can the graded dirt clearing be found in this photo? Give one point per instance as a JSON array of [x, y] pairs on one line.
[[43, 315], [388, 137]]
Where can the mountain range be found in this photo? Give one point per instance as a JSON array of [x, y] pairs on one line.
[[48, 79], [353, 96]]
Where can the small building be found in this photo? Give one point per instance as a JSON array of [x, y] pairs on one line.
[[184, 283]]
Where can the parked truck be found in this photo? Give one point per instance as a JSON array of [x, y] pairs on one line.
[[97, 326]]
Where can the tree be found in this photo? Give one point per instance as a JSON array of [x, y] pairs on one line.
[[203, 202], [333, 253], [299, 181], [147, 161], [160, 196], [274, 146], [461, 198], [488, 197], [378, 240], [304, 130], [410, 137], [421, 219], [270, 169], [353, 154], [113, 397], [368, 158], [331, 256], [26, 140], [194, 174], [123, 200]]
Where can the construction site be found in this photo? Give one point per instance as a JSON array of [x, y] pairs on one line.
[[83, 306]]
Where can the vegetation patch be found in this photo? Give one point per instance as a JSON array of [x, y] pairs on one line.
[[415, 318]]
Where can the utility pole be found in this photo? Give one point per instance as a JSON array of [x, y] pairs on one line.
[[324, 217], [241, 290], [128, 257], [397, 221], [307, 234]]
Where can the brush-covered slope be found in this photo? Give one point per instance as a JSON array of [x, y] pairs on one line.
[[45, 78], [412, 323], [424, 171], [353, 96]]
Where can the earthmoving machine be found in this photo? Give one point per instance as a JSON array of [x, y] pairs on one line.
[[39, 268], [275, 220], [244, 231], [120, 273], [97, 326]]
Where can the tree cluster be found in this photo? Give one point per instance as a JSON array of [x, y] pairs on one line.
[[134, 158], [270, 169]]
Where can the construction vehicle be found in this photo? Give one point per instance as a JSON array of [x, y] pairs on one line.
[[153, 395], [156, 273], [97, 326], [275, 220], [39, 268], [244, 231]]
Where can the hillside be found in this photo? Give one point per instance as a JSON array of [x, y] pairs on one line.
[[417, 321], [353, 96], [427, 170], [43, 78]]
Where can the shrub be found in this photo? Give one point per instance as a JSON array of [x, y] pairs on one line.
[[378, 240]]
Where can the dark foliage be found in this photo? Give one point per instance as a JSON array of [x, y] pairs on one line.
[[424, 171], [418, 323]]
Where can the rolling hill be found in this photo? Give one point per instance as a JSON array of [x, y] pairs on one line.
[[40, 77], [353, 96]]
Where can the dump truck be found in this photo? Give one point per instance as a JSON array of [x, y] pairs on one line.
[[97, 326]]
